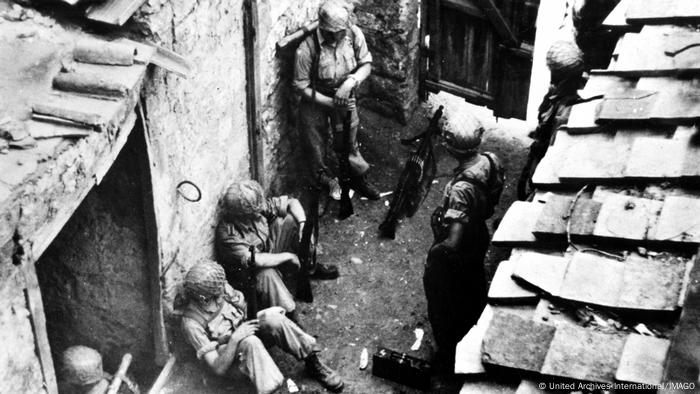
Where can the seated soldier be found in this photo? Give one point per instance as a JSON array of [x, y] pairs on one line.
[[273, 227], [214, 323]]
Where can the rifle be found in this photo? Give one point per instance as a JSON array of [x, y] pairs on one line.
[[307, 249], [345, 209], [252, 294], [415, 180]]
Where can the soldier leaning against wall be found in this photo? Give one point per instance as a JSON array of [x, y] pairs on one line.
[[329, 65]]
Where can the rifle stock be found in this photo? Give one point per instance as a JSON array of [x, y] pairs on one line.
[[346, 210]]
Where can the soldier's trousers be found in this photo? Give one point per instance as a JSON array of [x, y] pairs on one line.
[[255, 362], [316, 124], [270, 288], [455, 289]]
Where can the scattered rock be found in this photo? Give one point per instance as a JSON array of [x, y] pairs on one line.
[[355, 260]]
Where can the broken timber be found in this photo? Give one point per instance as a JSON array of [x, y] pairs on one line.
[[113, 12]]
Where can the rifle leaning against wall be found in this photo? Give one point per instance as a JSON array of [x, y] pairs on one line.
[[307, 249], [346, 210], [415, 180]]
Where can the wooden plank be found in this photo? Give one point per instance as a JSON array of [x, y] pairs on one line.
[[582, 118], [626, 218], [553, 219], [583, 354], [113, 12], [593, 157], [652, 284], [153, 242], [102, 114], [676, 223], [517, 224], [657, 51], [545, 272], [38, 318], [617, 20], [42, 130], [468, 352], [504, 290], [642, 360], [498, 22], [514, 342], [172, 62], [683, 359], [465, 6], [655, 158], [661, 12]]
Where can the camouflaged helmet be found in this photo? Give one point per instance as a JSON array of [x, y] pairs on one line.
[[564, 58], [244, 198], [82, 365], [462, 133], [206, 278], [333, 16]]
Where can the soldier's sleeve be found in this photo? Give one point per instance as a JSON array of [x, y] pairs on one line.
[[236, 298], [302, 67], [232, 247], [362, 54], [276, 207], [197, 336], [460, 203]]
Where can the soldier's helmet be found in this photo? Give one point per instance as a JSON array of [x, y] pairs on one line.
[[564, 58], [243, 199], [82, 365], [333, 16], [461, 132], [205, 279]]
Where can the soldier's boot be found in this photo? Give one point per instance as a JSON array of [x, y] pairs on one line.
[[324, 272], [364, 188], [323, 374], [332, 184]]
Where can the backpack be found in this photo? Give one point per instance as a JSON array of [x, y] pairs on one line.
[[493, 188]]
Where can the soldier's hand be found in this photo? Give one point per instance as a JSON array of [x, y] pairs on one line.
[[340, 100], [244, 331], [294, 259]]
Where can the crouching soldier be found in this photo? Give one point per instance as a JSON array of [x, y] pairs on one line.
[[454, 281], [82, 373], [214, 323], [272, 226]]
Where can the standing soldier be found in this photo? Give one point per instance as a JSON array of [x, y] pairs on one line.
[[454, 281], [214, 323], [330, 63], [565, 63]]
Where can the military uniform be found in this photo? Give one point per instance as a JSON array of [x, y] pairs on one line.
[[273, 230], [210, 331], [336, 60], [455, 285]]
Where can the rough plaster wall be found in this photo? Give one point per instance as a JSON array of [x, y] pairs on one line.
[[391, 29], [283, 158], [94, 276], [20, 371], [197, 126]]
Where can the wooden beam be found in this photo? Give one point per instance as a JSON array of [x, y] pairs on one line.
[[35, 304], [113, 12], [683, 359], [255, 143], [474, 96], [499, 23], [466, 6], [153, 244]]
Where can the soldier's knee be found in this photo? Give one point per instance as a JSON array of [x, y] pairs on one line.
[[250, 343]]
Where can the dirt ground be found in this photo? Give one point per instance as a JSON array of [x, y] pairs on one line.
[[379, 302]]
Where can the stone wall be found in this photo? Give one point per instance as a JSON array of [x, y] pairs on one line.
[[391, 29], [198, 127], [94, 277]]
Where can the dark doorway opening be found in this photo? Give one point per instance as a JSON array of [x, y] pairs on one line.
[[95, 276]]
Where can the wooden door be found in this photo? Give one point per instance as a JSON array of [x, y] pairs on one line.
[[480, 50]]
